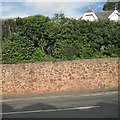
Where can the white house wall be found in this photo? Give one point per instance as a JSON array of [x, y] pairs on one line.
[[89, 16], [114, 17]]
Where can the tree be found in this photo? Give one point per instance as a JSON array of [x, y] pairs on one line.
[[111, 5]]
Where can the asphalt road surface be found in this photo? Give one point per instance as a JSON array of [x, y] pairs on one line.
[[96, 106]]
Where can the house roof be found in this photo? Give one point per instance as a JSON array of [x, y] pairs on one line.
[[88, 10], [103, 14]]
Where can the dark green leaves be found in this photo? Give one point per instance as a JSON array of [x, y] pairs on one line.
[[39, 38]]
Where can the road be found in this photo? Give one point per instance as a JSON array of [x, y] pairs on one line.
[[96, 106]]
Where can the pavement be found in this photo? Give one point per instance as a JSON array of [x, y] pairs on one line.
[[77, 104], [63, 94]]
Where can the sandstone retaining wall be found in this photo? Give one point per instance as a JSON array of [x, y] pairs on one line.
[[43, 77]]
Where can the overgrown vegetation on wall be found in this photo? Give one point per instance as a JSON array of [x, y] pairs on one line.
[[39, 38]]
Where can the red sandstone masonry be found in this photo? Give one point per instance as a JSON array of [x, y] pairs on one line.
[[43, 77]]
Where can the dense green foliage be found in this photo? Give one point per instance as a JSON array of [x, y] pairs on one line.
[[39, 38], [111, 5]]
